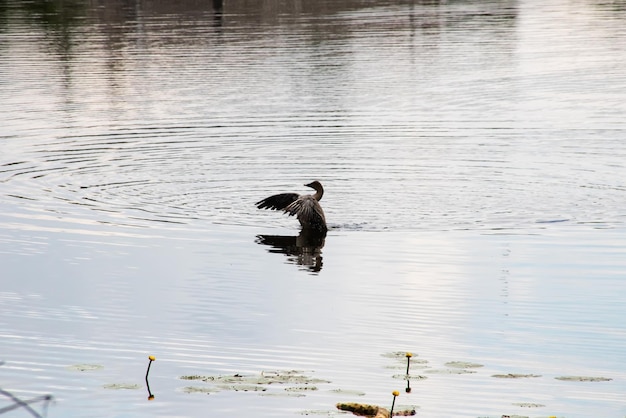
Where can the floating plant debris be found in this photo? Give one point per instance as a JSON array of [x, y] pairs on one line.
[[583, 379], [515, 376], [296, 381]]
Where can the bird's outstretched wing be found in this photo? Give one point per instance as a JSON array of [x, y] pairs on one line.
[[305, 207], [278, 201], [309, 212]]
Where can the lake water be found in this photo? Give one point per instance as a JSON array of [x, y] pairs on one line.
[[474, 159]]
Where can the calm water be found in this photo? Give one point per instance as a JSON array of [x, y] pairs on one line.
[[473, 155]]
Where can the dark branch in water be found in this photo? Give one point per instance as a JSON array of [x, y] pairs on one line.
[[24, 404], [18, 403]]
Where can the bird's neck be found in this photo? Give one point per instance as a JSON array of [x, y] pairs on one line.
[[319, 192]]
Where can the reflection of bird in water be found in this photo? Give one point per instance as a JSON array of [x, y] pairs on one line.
[[305, 207], [303, 250]]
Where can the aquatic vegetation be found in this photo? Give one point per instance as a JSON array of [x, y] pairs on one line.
[[515, 376], [323, 412], [196, 389], [150, 395], [118, 386], [242, 388], [463, 364], [193, 377], [362, 409], [85, 367], [348, 392], [402, 356], [528, 405], [583, 379], [395, 394], [301, 388], [415, 364], [514, 416], [409, 377], [283, 394], [293, 381], [151, 358], [374, 411], [449, 371], [408, 361]]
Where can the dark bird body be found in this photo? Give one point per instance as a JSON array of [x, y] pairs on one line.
[[305, 207]]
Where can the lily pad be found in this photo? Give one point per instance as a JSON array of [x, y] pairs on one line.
[[410, 376], [449, 371], [84, 367], [301, 389], [514, 416], [416, 363], [296, 381], [194, 377], [120, 386], [348, 392], [320, 412], [583, 379], [463, 364], [243, 388], [285, 394], [399, 355], [197, 389]]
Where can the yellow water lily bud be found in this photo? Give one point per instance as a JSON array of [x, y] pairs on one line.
[[151, 358], [409, 354], [395, 393]]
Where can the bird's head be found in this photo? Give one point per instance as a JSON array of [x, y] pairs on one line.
[[314, 185]]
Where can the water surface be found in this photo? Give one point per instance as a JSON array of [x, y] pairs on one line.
[[473, 160]]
